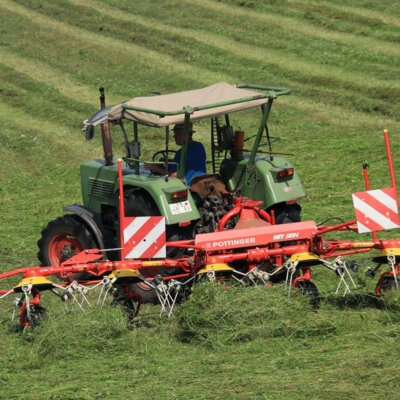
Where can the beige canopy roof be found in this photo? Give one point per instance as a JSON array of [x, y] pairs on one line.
[[175, 103]]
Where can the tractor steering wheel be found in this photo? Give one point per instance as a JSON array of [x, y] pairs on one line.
[[162, 155]]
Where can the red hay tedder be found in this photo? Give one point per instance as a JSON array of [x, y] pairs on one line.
[[254, 252]]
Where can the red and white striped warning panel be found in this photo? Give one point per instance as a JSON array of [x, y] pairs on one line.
[[144, 237], [376, 210]]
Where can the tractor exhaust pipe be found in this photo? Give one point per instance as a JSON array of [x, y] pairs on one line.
[[106, 133]]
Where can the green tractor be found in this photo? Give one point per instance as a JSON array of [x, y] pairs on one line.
[[257, 173]]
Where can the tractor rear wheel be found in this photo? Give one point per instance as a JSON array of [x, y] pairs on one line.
[[285, 213], [63, 238]]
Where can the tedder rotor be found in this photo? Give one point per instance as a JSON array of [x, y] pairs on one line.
[[253, 252]]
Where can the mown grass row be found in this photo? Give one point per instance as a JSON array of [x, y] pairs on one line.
[[300, 67], [261, 345]]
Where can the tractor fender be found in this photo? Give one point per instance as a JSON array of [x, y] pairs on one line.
[[91, 220], [160, 191], [260, 181]]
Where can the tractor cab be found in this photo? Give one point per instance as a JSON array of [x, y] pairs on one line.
[[255, 172]]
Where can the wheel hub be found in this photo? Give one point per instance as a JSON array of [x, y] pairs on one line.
[[63, 246], [67, 252]]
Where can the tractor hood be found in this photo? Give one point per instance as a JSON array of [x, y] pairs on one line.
[[163, 110]]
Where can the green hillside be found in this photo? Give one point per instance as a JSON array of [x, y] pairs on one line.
[[341, 59]]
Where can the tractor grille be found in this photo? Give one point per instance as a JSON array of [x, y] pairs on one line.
[[101, 188]]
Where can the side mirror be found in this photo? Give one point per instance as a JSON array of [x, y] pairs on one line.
[[89, 132]]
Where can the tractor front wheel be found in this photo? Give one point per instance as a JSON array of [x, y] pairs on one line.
[[62, 239]]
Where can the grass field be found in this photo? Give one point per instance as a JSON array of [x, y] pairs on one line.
[[341, 59]]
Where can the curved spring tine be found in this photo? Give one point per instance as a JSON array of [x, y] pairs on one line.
[[392, 262], [291, 269], [27, 289], [106, 286]]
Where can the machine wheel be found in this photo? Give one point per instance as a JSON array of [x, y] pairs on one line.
[[388, 283], [140, 203], [37, 314], [63, 238], [148, 294], [308, 288]]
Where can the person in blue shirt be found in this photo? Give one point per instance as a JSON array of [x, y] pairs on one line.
[[195, 157]]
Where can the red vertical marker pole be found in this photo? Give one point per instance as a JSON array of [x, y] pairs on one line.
[[121, 209], [365, 169], [389, 156]]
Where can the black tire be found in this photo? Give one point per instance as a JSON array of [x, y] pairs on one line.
[[388, 283], [309, 289], [285, 213], [175, 233], [37, 315], [147, 293], [140, 203], [63, 238]]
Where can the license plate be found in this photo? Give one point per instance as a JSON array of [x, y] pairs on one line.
[[180, 208]]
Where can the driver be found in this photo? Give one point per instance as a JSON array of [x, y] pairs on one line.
[[195, 158]]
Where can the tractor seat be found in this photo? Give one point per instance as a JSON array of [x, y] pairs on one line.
[[207, 185]]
